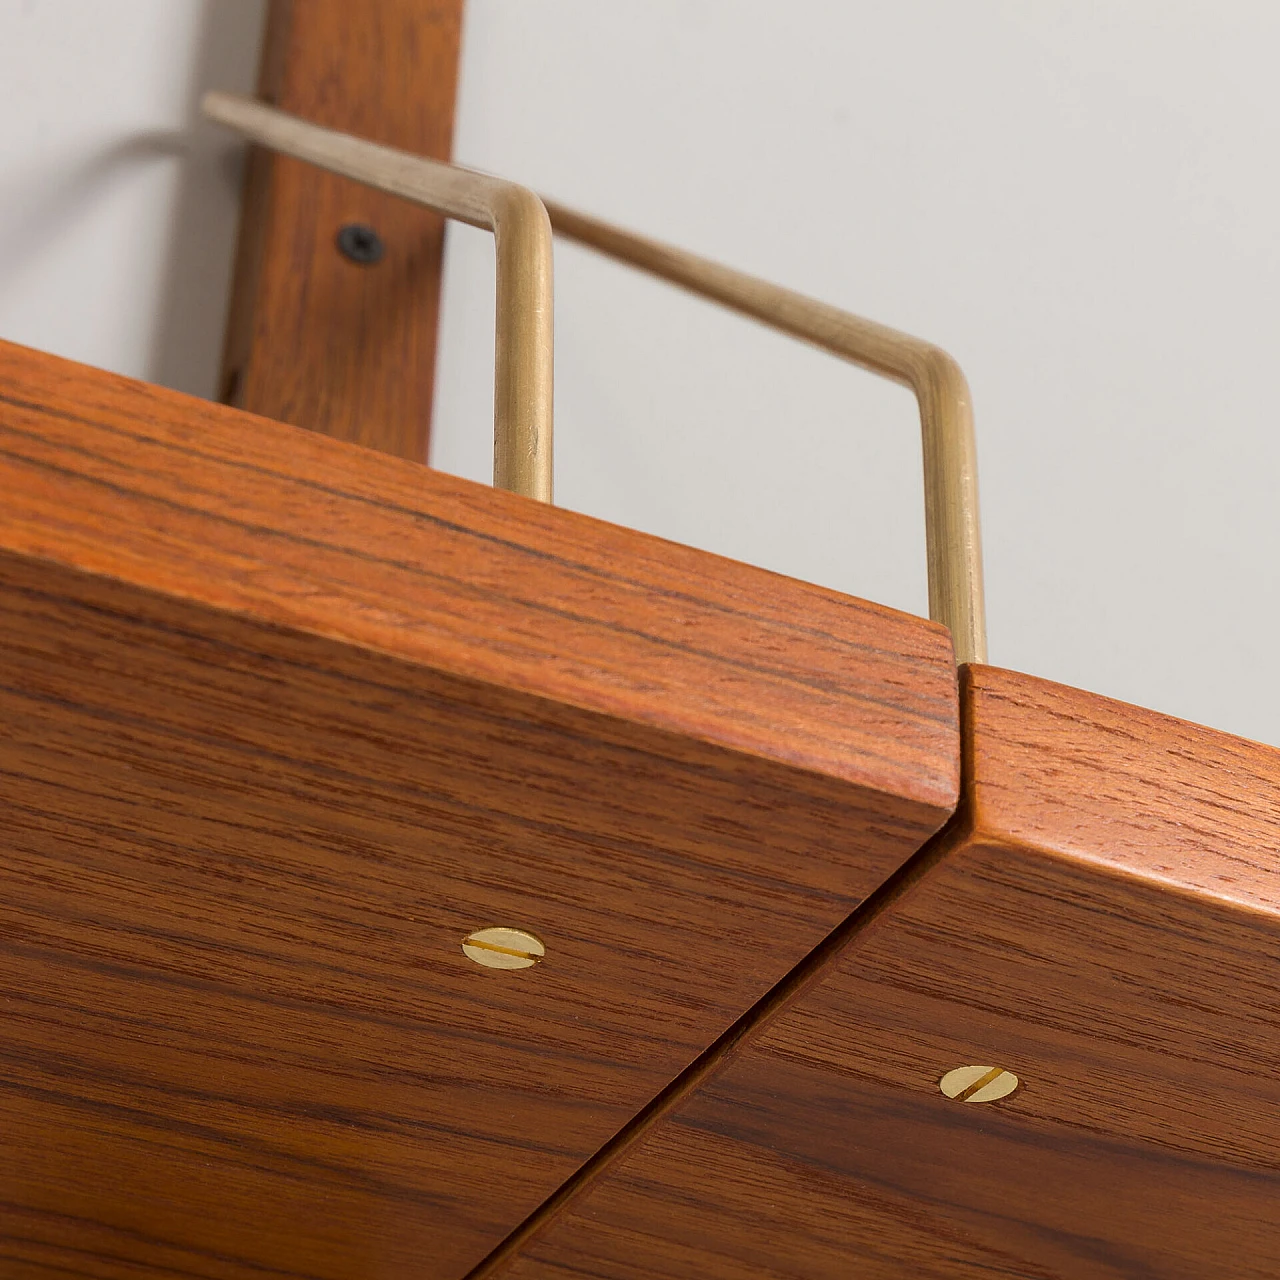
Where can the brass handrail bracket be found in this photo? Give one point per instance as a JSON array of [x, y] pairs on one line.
[[522, 394], [522, 225]]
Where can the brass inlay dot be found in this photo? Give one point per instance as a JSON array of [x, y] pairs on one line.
[[503, 948], [978, 1084]]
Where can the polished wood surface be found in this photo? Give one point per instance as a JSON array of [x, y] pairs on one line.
[[1103, 920], [314, 339], [285, 720]]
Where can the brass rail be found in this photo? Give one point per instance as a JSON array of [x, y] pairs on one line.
[[523, 390], [952, 529]]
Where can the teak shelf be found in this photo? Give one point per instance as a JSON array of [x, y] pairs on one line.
[[285, 721], [1103, 919]]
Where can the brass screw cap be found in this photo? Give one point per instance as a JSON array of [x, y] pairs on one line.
[[500, 948], [978, 1084]]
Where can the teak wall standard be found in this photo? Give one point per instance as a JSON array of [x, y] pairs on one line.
[[1103, 920], [285, 720], [314, 338]]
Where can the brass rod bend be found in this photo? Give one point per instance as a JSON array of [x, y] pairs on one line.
[[522, 393], [952, 527]]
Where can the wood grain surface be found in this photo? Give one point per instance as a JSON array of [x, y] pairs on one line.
[[314, 339], [284, 720], [1104, 920]]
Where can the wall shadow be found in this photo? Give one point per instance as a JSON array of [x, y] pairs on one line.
[[35, 226], [196, 277]]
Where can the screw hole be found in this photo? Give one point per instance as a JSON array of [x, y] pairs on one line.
[[360, 244]]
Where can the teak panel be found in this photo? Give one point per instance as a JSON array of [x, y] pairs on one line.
[[1103, 920], [286, 719], [313, 338]]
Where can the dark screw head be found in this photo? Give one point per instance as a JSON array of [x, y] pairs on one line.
[[360, 244]]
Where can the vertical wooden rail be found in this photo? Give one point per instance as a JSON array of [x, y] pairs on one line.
[[313, 338]]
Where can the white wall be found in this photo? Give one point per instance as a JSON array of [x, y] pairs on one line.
[[1079, 200], [117, 207]]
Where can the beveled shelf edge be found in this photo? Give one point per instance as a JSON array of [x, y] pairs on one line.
[[576, 610]]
